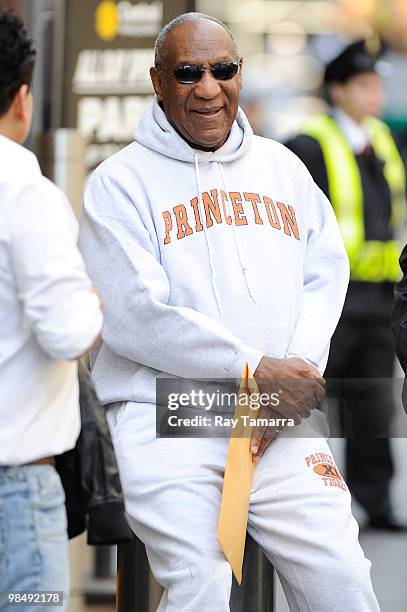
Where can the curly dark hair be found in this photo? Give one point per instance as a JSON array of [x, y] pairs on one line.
[[17, 58]]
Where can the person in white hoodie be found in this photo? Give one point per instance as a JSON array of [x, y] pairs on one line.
[[212, 247], [49, 316]]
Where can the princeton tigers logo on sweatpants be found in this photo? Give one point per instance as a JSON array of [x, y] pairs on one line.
[[324, 465]]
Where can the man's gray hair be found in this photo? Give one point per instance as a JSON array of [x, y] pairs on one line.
[[160, 47]]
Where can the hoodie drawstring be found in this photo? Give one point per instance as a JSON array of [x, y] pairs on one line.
[[243, 265], [208, 245]]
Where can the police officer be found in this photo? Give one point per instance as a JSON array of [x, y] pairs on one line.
[[353, 158]]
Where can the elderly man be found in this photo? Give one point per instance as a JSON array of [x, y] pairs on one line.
[[212, 248]]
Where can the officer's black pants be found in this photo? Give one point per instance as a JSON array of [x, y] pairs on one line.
[[362, 349]]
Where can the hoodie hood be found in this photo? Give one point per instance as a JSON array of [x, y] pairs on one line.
[[156, 133]]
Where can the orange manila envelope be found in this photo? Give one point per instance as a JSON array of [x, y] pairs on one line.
[[234, 509]]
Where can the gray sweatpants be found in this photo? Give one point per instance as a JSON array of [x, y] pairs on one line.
[[300, 513]]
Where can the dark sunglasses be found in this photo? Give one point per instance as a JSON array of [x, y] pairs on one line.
[[192, 73]]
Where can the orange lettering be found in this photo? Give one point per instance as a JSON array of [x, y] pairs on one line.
[[253, 198], [271, 212], [224, 197], [168, 226], [211, 206], [184, 228], [236, 199], [289, 220], [195, 206]]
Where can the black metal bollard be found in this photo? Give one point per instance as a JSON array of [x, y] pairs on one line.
[[256, 594], [133, 576]]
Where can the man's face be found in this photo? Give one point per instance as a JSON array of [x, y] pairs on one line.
[[203, 112], [361, 95]]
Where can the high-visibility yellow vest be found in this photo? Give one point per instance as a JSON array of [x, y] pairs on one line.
[[370, 260]]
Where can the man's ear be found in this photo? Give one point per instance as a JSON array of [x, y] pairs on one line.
[[21, 103], [240, 76], [156, 81]]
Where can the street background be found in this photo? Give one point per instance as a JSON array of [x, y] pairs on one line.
[[91, 85]]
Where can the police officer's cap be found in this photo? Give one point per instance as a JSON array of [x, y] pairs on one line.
[[357, 58]]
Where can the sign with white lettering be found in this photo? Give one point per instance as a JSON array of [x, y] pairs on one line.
[[109, 48]]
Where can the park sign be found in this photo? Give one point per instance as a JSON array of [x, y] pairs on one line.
[[108, 53]]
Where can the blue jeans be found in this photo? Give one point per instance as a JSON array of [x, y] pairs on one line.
[[33, 534]]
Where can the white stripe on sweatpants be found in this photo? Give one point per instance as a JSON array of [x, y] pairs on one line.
[[172, 490]]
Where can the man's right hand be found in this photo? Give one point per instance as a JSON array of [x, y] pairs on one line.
[[299, 385]]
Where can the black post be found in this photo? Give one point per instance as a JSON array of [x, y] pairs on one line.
[[255, 595], [132, 587]]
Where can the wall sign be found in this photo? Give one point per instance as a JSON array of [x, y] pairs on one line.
[[109, 50]]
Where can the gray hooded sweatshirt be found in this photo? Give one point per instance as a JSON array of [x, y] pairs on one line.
[[207, 260]]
